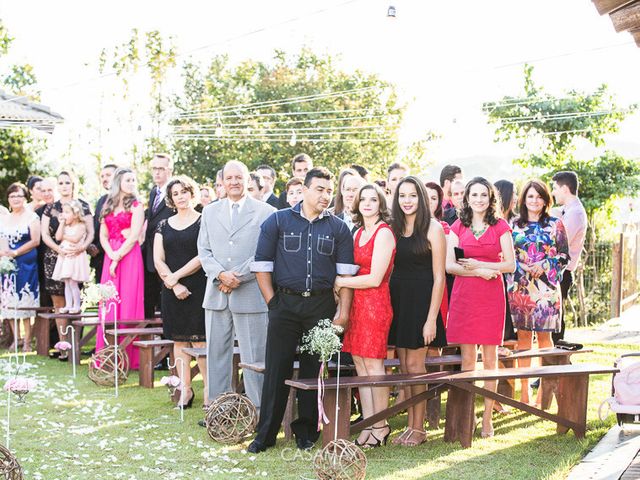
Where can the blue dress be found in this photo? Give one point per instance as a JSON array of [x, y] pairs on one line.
[[26, 292]]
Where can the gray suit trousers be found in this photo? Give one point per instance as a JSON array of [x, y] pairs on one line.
[[222, 326]]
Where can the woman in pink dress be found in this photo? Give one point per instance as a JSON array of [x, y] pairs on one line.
[[477, 307], [121, 224], [371, 314]]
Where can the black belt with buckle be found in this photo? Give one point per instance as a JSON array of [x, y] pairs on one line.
[[308, 293]]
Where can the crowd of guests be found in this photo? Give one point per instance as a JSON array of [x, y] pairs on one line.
[[400, 261]]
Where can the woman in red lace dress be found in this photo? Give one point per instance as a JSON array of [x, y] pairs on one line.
[[371, 313]]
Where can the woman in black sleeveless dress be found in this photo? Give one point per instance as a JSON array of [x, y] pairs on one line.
[[184, 282], [417, 285]]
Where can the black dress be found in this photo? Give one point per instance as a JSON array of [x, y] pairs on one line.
[[411, 285], [183, 320]]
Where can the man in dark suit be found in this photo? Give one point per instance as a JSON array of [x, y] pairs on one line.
[[268, 175], [457, 194], [95, 249], [157, 210]]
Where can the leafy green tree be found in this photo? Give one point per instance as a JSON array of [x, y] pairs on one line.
[[547, 129], [266, 134], [19, 149]]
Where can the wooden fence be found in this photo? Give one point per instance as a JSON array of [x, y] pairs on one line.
[[625, 280]]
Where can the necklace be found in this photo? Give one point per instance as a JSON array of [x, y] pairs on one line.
[[478, 232]]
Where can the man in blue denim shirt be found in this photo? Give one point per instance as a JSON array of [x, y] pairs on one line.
[[300, 252]]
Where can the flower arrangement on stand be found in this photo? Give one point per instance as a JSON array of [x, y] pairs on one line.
[[174, 384], [63, 346], [7, 265], [20, 387], [99, 293], [339, 459]]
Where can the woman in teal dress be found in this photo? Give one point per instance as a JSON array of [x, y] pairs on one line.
[[542, 254]]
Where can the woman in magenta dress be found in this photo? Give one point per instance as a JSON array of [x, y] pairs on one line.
[[120, 227], [371, 313], [477, 306]]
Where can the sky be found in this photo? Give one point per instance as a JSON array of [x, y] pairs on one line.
[[445, 58]]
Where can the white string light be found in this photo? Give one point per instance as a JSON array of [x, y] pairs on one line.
[[559, 117]]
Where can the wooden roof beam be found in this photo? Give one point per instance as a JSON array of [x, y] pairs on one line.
[[608, 6], [636, 36], [627, 17]]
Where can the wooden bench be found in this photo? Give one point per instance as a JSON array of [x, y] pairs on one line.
[[152, 352], [82, 338], [41, 326], [236, 383], [550, 356], [573, 384], [128, 335]]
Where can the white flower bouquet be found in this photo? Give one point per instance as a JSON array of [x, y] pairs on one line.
[[323, 340], [97, 293], [7, 265]]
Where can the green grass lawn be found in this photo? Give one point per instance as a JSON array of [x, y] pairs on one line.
[[73, 429]]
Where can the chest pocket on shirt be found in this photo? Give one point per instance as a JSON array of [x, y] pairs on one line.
[[292, 242], [325, 245]]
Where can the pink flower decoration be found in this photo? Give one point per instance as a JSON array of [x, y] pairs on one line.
[[171, 381], [20, 384], [62, 346]]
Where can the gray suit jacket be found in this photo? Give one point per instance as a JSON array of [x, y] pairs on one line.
[[221, 248]]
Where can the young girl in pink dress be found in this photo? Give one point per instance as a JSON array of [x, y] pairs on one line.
[[72, 268], [121, 225]]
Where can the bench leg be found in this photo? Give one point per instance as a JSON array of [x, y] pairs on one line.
[[343, 397], [572, 402], [460, 417], [289, 411], [145, 370], [507, 387], [549, 385], [433, 405], [41, 331]]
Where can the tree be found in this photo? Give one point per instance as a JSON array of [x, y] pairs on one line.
[[360, 126], [547, 129], [18, 147], [144, 59]]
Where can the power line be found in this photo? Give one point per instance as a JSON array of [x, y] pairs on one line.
[[273, 103]]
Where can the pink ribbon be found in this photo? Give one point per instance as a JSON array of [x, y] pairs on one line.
[[322, 416]]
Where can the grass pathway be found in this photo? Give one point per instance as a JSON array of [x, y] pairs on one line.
[[72, 429]]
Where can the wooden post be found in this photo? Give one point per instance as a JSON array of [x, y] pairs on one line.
[[343, 397], [616, 278], [145, 369], [507, 387], [549, 385], [41, 331], [460, 417], [572, 396]]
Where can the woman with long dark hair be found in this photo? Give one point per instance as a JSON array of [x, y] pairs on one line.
[[417, 285], [371, 315], [477, 307], [542, 254]]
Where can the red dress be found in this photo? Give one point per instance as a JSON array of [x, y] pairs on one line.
[[477, 306], [371, 313]]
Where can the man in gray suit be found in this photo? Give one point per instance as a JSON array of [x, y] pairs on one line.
[[234, 306]]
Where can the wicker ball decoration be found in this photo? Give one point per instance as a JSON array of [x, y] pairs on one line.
[[10, 469], [231, 417], [102, 365], [340, 460]]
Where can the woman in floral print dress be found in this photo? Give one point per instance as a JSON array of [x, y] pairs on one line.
[[542, 254]]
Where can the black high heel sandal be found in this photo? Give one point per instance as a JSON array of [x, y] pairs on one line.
[[190, 402], [378, 441], [365, 442]]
